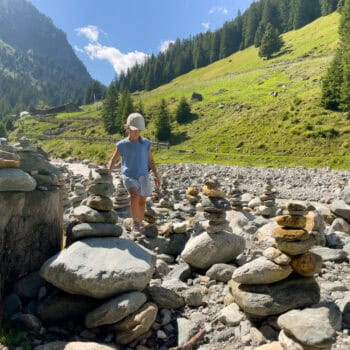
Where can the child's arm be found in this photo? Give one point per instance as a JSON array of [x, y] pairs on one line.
[[113, 159], [153, 167]]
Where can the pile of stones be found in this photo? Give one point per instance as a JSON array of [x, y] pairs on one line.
[[268, 201], [100, 276], [188, 284], [25, 168], [236, 196], [224, 245], [282, 278], [121, 198]]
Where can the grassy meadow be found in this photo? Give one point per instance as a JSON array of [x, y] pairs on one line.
[[254, 111]]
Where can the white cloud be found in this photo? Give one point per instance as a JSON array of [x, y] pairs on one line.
[[120, 61], [218, 9], [206, 25], [95, 50], [91, 32], [164, 45], [78, 49]]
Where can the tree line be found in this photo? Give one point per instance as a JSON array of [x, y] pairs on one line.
[[117, 106], [265, 16], [336, 83]]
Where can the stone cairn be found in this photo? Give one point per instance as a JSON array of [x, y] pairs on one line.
[[12, 178], [236, 196], [224, 244], [282, 278], [78, 192], [27, 167], [268, 201], [121, 199], [217, 217], [100, 276], [192, 195]]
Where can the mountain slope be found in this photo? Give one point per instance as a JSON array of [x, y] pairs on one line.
[[254, 111], [36, 61]]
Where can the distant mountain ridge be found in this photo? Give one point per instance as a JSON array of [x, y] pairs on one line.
[[37, 64]]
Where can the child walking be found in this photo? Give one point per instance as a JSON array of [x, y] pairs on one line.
[[137, 158]]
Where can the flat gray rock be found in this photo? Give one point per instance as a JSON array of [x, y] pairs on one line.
[[100, 267], [13, 179], [115, 309], [340, 208], [86, 214], [261, 271], [311, 326], [329, 254], [96, 230], [276, 298]]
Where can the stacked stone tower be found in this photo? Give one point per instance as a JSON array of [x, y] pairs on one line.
[[267, 285], [236, 193], [293, 238], [101, 272], [95, 214], [268, 201], [215, 206], [121, 199], [224, 245], [192, 195]]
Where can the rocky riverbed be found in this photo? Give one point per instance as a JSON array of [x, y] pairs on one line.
[[191, 292]]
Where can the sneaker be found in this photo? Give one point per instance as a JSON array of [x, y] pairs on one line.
[[136, 232]]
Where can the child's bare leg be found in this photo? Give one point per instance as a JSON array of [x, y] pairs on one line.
[[142, 204], [134, 203]]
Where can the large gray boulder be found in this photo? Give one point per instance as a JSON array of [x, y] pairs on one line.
[[205, 250], [100, 267]]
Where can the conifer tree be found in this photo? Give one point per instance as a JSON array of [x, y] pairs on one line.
[[336, 84], [214, 46], [271, 42], [344, 30], [259, 34], [139, 108], [183, 111], [328, 6], [251, 22], [2, 130], [126, 106], [109, 109], [331, 84], [162, 123]]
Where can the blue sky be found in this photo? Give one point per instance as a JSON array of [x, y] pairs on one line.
[[110, 36]]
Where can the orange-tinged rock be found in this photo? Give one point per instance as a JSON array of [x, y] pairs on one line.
[[292, 221], [275, 345], [192, 191], [137, 324], [9, 163], [213, 192], [314, 222], [307, 264], [290, 233]]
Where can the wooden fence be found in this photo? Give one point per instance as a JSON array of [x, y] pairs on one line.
[[155, 144]]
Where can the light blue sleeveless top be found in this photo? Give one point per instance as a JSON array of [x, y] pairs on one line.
[[134, 157]]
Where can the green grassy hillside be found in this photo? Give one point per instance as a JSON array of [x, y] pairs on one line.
[[254, 111]]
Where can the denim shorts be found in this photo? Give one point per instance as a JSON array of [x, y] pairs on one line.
[[142, 184]]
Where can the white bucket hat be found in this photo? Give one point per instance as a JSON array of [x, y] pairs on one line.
[[136, 121]]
